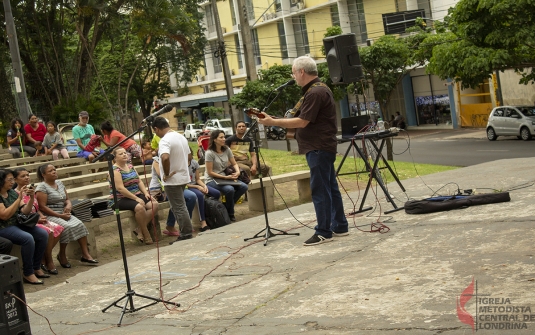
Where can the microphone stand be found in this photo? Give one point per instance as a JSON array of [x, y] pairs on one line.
[[253, 131], [128, 306]]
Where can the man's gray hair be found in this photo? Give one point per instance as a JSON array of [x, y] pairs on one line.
[[306, 63]]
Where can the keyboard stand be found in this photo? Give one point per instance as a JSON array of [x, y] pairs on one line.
[[372, 170]]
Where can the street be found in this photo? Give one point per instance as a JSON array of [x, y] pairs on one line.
[[462, 147]]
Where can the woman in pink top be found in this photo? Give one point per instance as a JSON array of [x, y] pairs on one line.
[[35, 132], [112, 137]]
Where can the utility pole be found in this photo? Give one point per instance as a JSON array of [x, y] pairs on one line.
[[248, 52], [18, 76], [222, 54]]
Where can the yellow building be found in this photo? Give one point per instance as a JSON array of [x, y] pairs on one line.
[[283, 30]]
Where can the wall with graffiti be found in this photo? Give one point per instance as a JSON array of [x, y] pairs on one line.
[[475, 115]]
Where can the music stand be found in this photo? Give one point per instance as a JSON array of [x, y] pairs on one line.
[[130, 293], [371, 137]]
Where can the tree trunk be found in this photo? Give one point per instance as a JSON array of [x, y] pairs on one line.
[[8, 105], [389, 153]]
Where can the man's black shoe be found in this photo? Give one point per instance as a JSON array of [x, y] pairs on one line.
[[181, 238]]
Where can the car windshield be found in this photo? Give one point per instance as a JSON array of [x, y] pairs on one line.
[[528, 111], [198, 126], [225, 124]]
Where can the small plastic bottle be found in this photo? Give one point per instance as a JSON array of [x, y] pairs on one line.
[[380, 124]]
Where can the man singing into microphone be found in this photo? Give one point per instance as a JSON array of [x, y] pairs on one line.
[[315, 120]]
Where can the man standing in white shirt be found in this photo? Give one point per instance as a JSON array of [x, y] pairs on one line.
[[173, 151]]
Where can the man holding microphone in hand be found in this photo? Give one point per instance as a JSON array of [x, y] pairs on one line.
[[316, 128]]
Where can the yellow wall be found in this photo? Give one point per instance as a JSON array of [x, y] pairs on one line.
[[224, 15], [373, 10], [312, 3], [268, 37], [317, 24], [475, 115], [231, 53]]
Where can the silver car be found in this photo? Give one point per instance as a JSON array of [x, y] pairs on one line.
[[516, 121]]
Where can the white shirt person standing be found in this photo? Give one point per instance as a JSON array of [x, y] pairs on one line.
[[173, 151]]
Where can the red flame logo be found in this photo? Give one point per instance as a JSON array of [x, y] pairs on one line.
[[462, 314]]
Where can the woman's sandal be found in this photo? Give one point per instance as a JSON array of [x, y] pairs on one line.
[[148, 240], [139, 237]]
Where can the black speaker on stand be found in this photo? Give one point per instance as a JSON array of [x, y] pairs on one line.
[[343, 59], [13, 313]]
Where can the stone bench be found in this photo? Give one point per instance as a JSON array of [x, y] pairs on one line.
[[39, 159], [254, 193], [88, 179], [96, 190], [127, 218], [68, 171], [32, 167]]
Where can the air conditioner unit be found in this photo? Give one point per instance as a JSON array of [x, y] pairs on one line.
[[300, 5], [206, 88]]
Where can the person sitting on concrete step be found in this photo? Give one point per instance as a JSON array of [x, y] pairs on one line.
[[241, 148]]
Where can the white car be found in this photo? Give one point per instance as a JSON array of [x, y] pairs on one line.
[[516, 121], [192, 131], [223, 124]]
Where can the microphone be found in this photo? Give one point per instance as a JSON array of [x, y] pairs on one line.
[[288, 83], [151, 117]]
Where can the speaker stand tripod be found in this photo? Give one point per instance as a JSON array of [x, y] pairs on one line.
[[267, 232], [128, 306]]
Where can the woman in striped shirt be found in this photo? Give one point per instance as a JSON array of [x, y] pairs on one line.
[[54, 203], [132, 194]]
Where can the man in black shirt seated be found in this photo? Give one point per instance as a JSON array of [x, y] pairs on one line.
[[240, 146]]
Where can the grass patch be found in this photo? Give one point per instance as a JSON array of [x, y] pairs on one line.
[[284, 162]]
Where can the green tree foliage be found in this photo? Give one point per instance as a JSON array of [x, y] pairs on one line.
[[213, 112], [111, 53], [385, 63], [8, 107], [484, 36], [255, 94]]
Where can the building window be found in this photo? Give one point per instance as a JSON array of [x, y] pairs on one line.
[[278, 6], [216, 60], [250, 9], [282, 40], [335, 17], [301, 35], [425, 5], [256, 48], [210, 22], [238, 51], [232, 12], [358, 21]]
